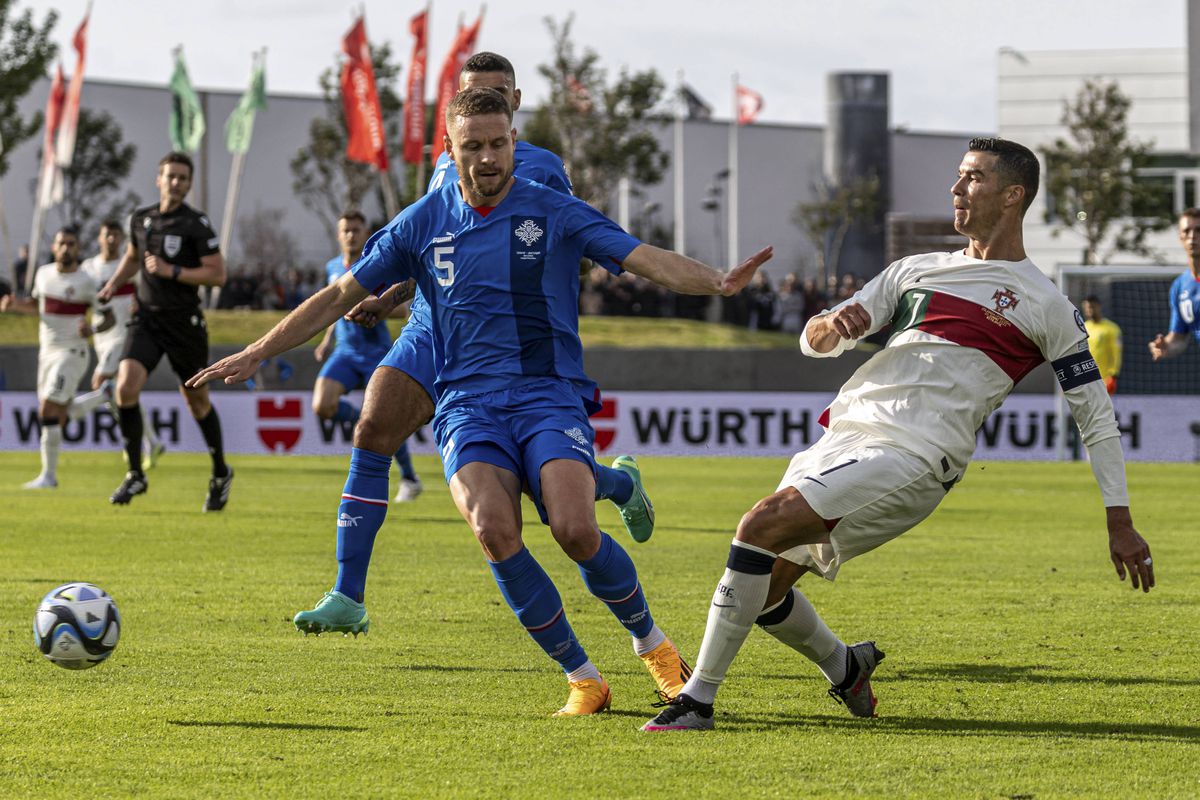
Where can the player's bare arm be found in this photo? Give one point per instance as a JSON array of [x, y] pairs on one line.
[[370, 311], [108, 320], [826, 331], [689, 276], [124, 274], [317, 312], [211, 271], [1168, 346], [1128, 550], [326, 345], [22, 305]]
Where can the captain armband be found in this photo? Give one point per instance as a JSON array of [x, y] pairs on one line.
[[1075, 370]]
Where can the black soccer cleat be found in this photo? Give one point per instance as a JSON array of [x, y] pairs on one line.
[[681, 713], [133, 485], [218, 491]]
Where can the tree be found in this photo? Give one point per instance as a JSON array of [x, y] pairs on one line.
[[102, 162], [326, 182], [827, 221], [267, 246], [25, 53], [602, 132], [1091, 178]]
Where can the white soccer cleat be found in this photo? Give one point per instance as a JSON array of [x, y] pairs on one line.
[[409, 490], [42, 482]]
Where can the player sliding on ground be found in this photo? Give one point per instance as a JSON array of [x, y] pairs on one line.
[[497, 257], [966, 327]]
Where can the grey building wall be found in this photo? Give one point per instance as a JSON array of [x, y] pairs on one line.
[[779, 167]]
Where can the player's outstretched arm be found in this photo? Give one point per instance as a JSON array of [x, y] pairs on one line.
[[314, 314], [1167, 346], [689, 276], [370, 311]]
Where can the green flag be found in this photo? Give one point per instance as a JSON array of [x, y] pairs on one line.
[[240, 125], [187, 118]]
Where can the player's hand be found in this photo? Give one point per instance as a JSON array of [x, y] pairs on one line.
[[736, 279], [156, 266], [1158, 348], [851, 321], [1110, 384], [6, 302], [85, 330], [321, 352], [106, 293], [368, 312], [1129, 551], [232, 369]]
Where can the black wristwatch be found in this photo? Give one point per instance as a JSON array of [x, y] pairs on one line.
[[175, 270]]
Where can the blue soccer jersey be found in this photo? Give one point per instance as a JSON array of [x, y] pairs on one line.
[[355, 338], [1185, 302], [503, 289]]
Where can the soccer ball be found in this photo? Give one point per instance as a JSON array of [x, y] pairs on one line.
[[76, 626]]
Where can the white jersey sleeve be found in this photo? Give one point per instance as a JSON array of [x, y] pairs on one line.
[[878, 297]]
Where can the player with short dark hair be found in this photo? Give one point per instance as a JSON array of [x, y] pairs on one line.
[[351, 353], [1184, 297], [497, 257], [62, 296], [966, 327], [401, 394], [176, 251]]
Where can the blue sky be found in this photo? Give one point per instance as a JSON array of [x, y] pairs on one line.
[[941, 54]]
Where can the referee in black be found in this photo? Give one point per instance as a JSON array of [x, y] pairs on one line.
[[176, 250]]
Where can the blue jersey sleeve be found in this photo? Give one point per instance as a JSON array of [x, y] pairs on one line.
[[1178, 325], [603, 240], [387, 258], [547, 169]]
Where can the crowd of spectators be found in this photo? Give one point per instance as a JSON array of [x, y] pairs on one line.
[[761, 306]]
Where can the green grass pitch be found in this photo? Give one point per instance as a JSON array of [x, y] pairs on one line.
[[1017, 665]]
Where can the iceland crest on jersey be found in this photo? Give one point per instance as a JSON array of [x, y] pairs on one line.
[[528, 232]]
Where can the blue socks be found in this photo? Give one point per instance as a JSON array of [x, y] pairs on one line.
[[404, 462], [611, 576], [345, 412], [532, 596], [613, 484], [360, 516]]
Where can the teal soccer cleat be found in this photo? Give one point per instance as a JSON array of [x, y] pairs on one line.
[[336, 612], [638, 512]]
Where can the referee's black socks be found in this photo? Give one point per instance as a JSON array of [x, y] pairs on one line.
[[210, 426], [130, 419]]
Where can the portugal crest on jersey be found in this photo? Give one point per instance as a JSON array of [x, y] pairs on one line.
[[1005, 299]]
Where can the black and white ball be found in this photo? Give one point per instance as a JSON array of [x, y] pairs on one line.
[[77, 626]]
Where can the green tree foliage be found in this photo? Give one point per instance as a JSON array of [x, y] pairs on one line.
[[827, 220], [326, 182], [603, 132], [102, 162], [1091, 177], [25, 53]]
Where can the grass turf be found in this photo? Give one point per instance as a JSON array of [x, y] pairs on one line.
[[242, 327], [1018, 666]]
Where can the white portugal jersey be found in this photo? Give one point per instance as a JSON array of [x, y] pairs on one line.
[[964, 332], [63, 300]]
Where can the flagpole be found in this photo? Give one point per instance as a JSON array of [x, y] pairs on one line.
[[680, 238], [733, 178], [390, 201]]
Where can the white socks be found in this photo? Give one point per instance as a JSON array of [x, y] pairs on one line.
[[83, 405], [51, 442], [736, 604], [587, 672], [648, 642], [795, 622]]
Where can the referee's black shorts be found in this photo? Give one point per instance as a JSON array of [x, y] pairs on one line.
[[181, 335]]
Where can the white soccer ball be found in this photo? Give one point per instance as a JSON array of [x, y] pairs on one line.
[[76, 626]]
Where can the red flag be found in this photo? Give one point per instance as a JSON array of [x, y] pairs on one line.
[[749, 104], [54, 112], [464, 46], [65, 149], [414, 102], [360, 101]]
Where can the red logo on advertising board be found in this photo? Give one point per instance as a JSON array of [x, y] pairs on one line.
[[606, 434], [276, 411]]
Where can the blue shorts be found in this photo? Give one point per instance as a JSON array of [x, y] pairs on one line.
[[349, 368], [412, 354], [516, 429]]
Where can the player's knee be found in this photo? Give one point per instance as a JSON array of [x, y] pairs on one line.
[[370, 433], [759, 525], [579, 538], [498, 538], [323, 408]]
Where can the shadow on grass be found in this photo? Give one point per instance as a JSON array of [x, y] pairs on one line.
[[277, 726], [973, 727], [1000, 673], [449, 668]]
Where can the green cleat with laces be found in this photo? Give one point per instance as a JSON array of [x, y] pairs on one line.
[[337, 613], [638, 511]]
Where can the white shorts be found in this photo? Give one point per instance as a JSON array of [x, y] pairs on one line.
[[59, 371], [110, 344], [872, 489]]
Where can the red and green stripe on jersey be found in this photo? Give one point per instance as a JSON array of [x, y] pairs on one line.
[[968, 324]]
